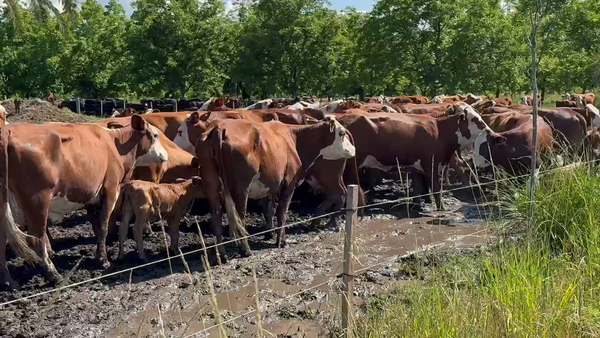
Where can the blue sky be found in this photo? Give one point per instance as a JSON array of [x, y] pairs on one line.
[[361, 5]]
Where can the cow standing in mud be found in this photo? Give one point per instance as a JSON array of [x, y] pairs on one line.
[[47, 171], [262, 160]]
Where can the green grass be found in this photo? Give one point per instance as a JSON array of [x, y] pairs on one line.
[[543, 284]]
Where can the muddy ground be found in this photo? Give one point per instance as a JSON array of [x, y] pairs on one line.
[[163, 298]]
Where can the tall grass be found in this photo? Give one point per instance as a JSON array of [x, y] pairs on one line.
[[543, 284]]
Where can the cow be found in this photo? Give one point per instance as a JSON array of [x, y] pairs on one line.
[[446, 99], [262, 160], [409, 99], [214, 104], [432, 109], [125, 113], [569, 127], [424, 143], [590, 147], [150, 201], [51, 169], [505, 101], [182, 137], [511, 146], [378, 107], [264, 104], [590, 98], [588, 110], [565, 103]]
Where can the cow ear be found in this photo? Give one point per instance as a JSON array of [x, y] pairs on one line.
[[331, 122], [193, 118], [195, 163], [196, 181], [138, 123], [180, 180], [204, 117], [499, 139]]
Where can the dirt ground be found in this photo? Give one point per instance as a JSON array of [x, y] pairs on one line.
[[40, 111], [163, 299]]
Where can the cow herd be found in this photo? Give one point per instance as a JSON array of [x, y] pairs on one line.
[[154, 165]]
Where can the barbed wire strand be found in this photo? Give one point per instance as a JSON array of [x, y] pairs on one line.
[[403, 199]]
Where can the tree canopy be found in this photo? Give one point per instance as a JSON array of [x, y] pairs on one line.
[[195, 48]]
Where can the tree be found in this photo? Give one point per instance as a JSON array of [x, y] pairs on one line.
[[179, 47], [96, 62]]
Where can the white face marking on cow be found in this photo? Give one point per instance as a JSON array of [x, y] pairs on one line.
[[596, 118], [478, 160], [438, 99], [371, 162], [182, 139], [257, 189], [389, 109], [156, 154], [205, 105], [474, 122], [331, 107], [341, 146], [264, 104]]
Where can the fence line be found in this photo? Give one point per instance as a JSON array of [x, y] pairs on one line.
[[181, 255]]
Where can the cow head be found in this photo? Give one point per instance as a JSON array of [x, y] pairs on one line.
[[182, 139], [470, 125], [508, 152], [341, 146], [481, 105], [438, 99], [331, 107], [150, 150]]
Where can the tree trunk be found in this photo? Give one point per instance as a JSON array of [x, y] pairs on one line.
[[497, 92], [543, 94]]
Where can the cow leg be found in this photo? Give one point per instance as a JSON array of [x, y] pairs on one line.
[[148, 229], [436, 185], [5, 277], [240, 199], [101, 230], [126, 215], [282, 208], [420, 188], [138, 232], [268, 210], [173, 224], [36, 216]]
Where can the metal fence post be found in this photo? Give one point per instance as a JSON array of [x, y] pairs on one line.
[[348, 276], [78, 105], [101, 107], [124, 104], [176, 106]]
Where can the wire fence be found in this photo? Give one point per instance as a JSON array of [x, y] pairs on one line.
[[330, 280]]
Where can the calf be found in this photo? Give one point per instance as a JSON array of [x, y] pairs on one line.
[[424, 143], [511, 147], [260, 160], [52, 169], [149, 201]]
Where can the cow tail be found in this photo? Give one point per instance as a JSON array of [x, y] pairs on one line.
[[236, 226], [15, 237], [351, 176]]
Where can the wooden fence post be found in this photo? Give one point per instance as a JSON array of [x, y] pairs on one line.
[[348, 276]]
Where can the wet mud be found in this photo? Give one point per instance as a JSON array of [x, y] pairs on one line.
[[168, 299]]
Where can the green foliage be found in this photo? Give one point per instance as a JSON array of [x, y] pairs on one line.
[[186, 48]]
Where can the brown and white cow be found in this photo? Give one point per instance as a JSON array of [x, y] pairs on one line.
[[263, 104], [590, 98], [3, 116], [262, 160], [422, 142], [149, 201], [214, 104], [432, 109], [511, 147], [52, 169]]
